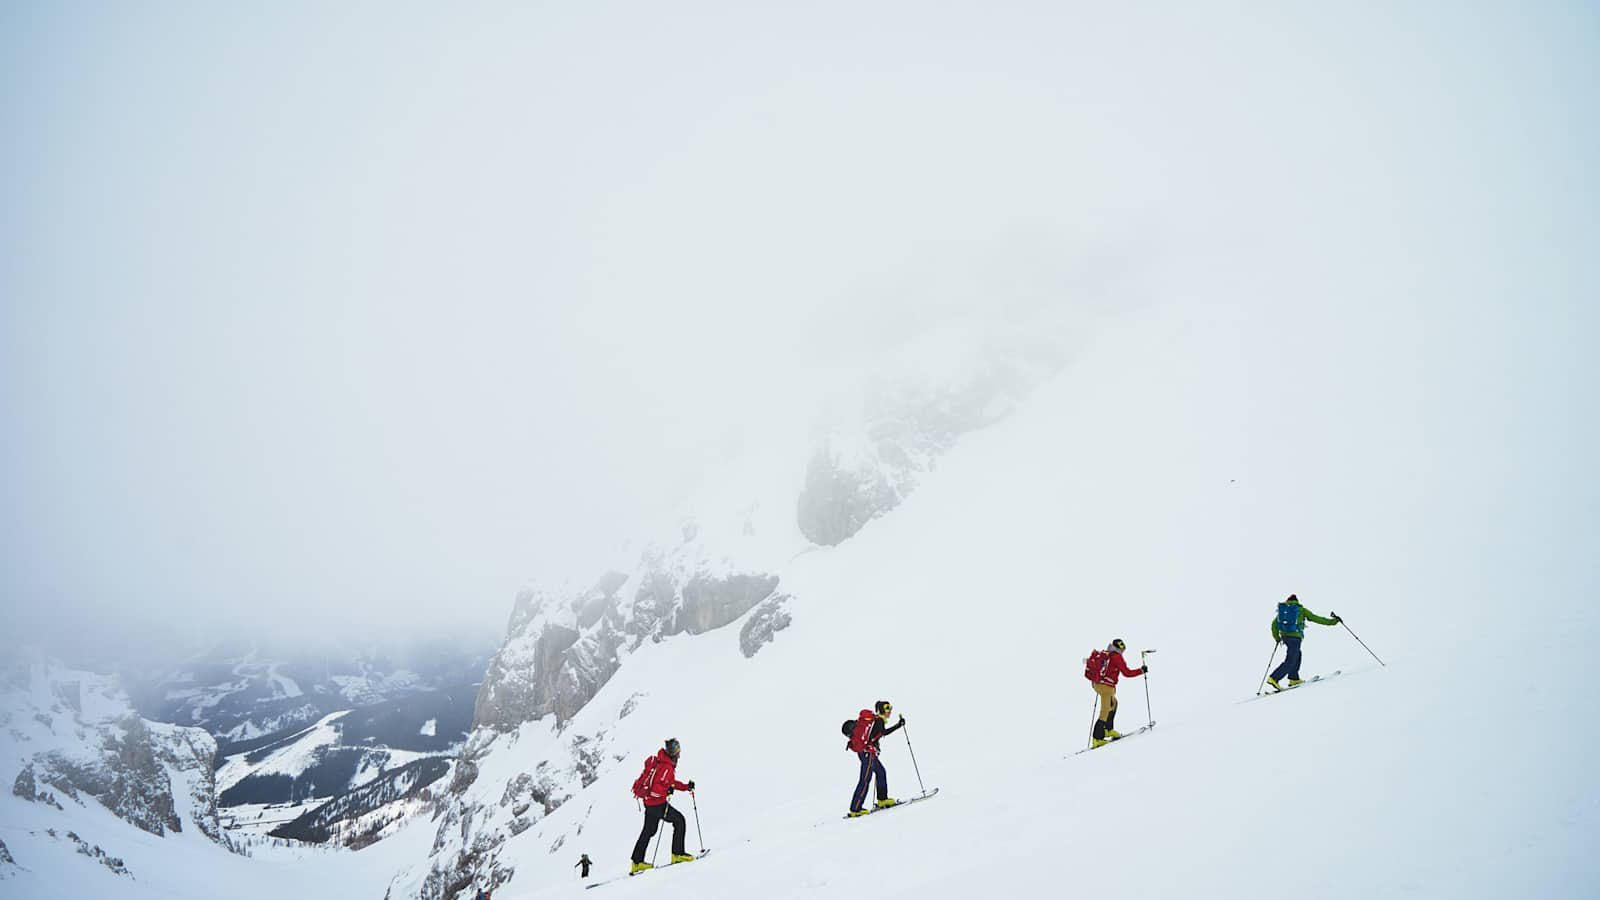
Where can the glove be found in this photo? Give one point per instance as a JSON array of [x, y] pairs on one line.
[[1144, 670], [691, 785], [902, 719], [1336, 619]]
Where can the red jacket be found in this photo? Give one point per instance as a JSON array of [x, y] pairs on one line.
[[661, 780], [1117, 667]]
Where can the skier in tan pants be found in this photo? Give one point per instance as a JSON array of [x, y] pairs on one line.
[[1103, 668]]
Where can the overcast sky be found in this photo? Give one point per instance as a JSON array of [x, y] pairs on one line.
[[340, 313]]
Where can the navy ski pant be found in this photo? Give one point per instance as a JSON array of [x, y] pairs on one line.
[[1291, 661], [870, 766], [652, 820]]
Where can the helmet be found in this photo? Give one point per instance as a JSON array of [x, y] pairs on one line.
[[672, 748], [1119, 645], [883, 708]]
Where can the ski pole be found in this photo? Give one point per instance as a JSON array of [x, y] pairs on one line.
[[1263, 685], [1360, 641], [697, 831], [1147, 714], [907, 729], [657, 851]]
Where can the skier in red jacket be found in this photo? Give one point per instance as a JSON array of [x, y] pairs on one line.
[[653, 787], [1103, 668], [870, 728]]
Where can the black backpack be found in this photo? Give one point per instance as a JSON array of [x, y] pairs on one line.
[[848, 728]]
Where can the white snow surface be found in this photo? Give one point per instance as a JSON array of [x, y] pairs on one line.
[[1142, 494], [429, 728], [183, 865]]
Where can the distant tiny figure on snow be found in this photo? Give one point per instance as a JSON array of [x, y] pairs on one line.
[[1103, 668], [869, 727], [1289, 628], [481, 895], [584, 861], [653, 786]]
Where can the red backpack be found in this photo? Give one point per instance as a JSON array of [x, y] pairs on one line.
[[640, 784], [1095, 665], [861, 731]]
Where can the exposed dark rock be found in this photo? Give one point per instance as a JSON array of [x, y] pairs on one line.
[[547, 667], [652, 602], [710, 603], [95, 853], [629, 705], [838, 500], [541, 789], [25, 785], [769, 618], [588, 755]]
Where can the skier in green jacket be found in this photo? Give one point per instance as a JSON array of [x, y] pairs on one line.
[[1289, 628]]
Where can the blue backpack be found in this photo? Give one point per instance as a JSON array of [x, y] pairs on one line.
[[1288, 617]]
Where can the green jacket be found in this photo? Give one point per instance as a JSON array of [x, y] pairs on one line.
[[1300, 625]]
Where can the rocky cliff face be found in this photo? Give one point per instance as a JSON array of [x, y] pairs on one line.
[[77, 740], [561, 648]]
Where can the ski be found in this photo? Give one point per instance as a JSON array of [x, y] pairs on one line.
[[1309, 681], [701, 855], [1141, 730], [928, 796]]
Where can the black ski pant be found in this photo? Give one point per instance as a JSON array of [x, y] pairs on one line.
[[870, 766], [1291, 660], [652, 820]]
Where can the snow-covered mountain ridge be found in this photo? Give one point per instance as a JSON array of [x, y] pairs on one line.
[[243, 694], [74, 739]]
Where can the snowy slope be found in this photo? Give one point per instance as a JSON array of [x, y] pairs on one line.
[[71, 738], [143, 823], [1169, 488], [180, 865]]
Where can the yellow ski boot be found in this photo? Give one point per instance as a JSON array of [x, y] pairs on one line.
[[1112, 734], [640, 867], [1275, 685], [682, 857], [1295, 681], [1100, 742], [885, 804]]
